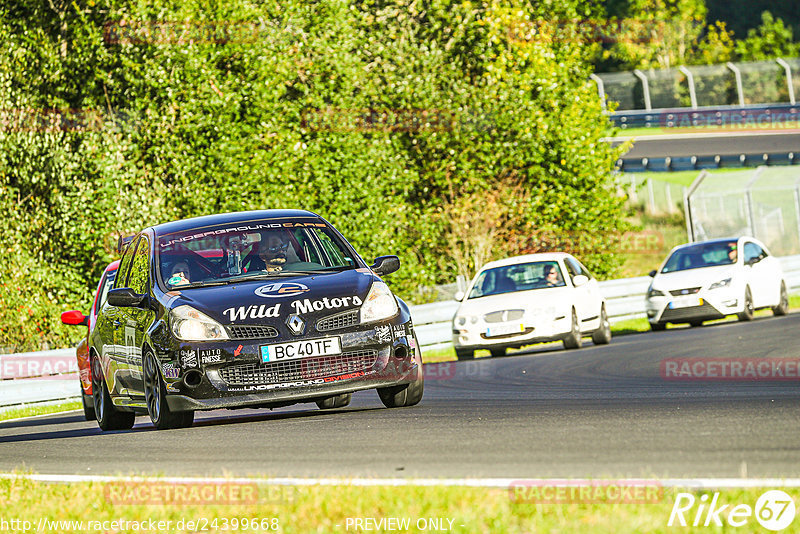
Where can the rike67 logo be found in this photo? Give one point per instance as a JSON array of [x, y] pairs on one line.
[[774, 510]]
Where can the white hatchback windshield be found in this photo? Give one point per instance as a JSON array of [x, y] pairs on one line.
[[522, 277]]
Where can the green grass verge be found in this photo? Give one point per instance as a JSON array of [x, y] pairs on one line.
[[333, 508], [29, 411]]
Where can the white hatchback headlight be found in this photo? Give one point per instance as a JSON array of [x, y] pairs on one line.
[[379, 304], [721, 283], [189, 324]]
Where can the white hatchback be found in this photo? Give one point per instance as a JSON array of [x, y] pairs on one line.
[[529, 299], [713, 279]]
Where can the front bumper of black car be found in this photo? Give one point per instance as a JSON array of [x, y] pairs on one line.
[[232, 374]]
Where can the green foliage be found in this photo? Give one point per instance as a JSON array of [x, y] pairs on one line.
[[770, 40], [380, 116]]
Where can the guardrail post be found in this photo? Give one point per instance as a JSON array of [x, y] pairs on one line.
[[789, 82], [651, 196], [670, 207], [645, 88], [601, 89], [687, 203], [797, 205], [738, 75], [690, 80], [748, 200]]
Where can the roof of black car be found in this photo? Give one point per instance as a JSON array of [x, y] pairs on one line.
[[229, 218]]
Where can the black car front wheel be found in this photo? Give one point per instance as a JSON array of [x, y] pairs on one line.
[[337, 401], [156, 397], [405, 395], [107, 415]]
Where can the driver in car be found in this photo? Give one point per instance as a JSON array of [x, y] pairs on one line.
[[271, 253]]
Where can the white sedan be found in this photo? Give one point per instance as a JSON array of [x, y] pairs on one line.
[[712, 279], [529, 299]]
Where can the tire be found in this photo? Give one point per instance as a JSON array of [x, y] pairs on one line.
[[783, 304], [337, 401], [405, 395], [658, 327], [465, 354], [155, 395], [574, 340], [602, 336], [88, 407], [106, 414], [498, 353], [747, 312]]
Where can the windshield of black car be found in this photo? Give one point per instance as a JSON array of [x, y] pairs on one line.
[[702, 255], [257, 249], [521, 277]]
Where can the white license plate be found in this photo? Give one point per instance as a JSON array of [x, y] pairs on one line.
[[685, 302], [293, 350], [504, 329]]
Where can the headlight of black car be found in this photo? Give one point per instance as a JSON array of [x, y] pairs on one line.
[[379, 304], [189, 324]]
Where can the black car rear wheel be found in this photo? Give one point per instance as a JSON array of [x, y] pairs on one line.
[[337, 401], [156, 397], [88, 406], [107, 415]]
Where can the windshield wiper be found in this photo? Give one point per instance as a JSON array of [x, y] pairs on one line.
[[202, 284]]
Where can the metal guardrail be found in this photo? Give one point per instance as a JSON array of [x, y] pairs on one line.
[[697, 163], [735, 117], [38, 384]]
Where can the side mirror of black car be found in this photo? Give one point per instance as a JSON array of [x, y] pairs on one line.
[[385, 265], [125, 297], [652, 273]]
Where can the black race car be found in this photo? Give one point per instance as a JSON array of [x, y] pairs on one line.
[[251, 309]]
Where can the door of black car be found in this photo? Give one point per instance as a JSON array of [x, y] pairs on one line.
[[108, 331], [136, 320]]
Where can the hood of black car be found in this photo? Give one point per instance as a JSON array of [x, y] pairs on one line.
[[264, 301]]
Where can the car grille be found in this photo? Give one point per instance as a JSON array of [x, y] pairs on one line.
[[706, 311], [337, 321], [301, 369], [512, 334], [503, 316], [251, 331], [687, 291]]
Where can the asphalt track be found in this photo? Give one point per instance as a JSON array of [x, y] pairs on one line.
[[596, 412], [711, 144]]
